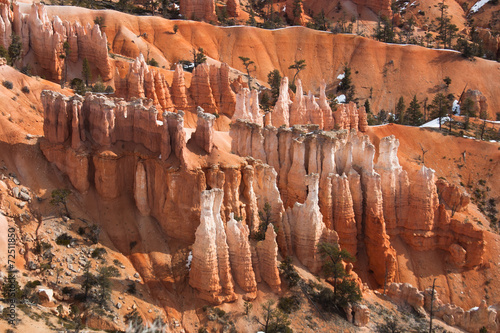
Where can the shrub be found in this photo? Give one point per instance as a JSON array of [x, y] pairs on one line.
[[8, 84], [109, 90], [132, 289], [63, 239], [25, 90], [286, 268], [67, 290], [153, 62], [99, 253], [289, 304]]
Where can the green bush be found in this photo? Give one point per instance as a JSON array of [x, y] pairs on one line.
[[289, 304], [63, 239], [25, 90], [99, 253]]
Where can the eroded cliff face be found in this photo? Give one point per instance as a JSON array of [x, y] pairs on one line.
[[366, 203], [123, 149], [303, 110], [316, 186], [210, 88], [43, 38], [198, 10], [471, 320]]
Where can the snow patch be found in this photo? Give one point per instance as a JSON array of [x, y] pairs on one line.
[[190, 258], [340, 99], [341, 76], [456, 107], [159, 123], [478, 5], [435, 122]]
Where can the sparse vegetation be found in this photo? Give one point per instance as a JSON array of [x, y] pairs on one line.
[[63, 239], [8, 84], [60, 197]]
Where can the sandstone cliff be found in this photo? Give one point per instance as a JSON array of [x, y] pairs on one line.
[[43, 38], [360, 200], [307, 109], [198, 10]]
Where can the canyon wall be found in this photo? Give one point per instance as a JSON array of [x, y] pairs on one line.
[[43, 39], [364, 202], [314, 186]]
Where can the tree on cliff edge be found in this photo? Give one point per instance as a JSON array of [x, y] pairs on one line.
[[247, 62], [299, 65]]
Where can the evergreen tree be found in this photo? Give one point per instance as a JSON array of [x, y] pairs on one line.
[[413, 115], [274, 80], [400, 111], [299, 65], [247, 62], [346, 82], [468, 110], [86, 72], [15, 49], [439, 107], [367, 107], [199, 56], [384, 31]]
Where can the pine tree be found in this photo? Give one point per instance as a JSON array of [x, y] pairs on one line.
[[413, 115], [86, 73], [299, 65], [15, 49], [367, 106], [274, 80], [400, 111], [439, 107]]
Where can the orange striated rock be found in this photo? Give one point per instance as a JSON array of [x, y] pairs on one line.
[[241, 256], [268, 259], [6, 18], [472, 320], [220, 83], [379, 7], [198, 10], [307, 229], [402, 293], [141, 190], [395, 184], [343, 213], [480, 102], [201, 91], [328, 121], [204, 134], [179, 91], [363, 119], [295, 15], [298, 111], [44, 39], [491, 42], [315, 113], [455, 198], [106, 175], [281, 113], [233, 8], [210, 270]]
